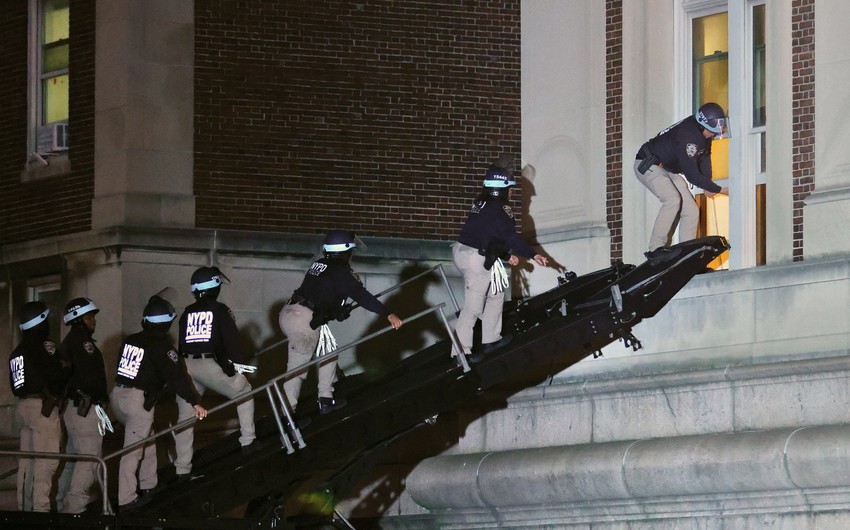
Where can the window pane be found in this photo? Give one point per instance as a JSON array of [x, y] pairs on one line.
[[54, 57], [56, 20], [55, 91], [759, 107], [761, 224]]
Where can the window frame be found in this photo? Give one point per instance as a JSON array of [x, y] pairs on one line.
[[37, 162], [744, 176]]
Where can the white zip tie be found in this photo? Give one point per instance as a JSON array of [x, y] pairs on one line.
[[498, 277], [327, 342], [104, 424]]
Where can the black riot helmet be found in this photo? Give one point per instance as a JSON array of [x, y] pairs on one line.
[[712, 117], [498, 181], [158, 313], [77, 308], [34, 317], [339, 244], [206, 282]]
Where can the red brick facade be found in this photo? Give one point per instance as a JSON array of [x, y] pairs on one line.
[[614, 124], [60, 204], [377, 116], [803, 109]]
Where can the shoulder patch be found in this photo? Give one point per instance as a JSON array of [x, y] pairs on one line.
[[89, 347], [230, 311], [691, 150], [173, 356], [508, 210], [49, 346]]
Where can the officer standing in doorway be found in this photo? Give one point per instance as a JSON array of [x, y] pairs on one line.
[[148, 362], [681, 149], [209, 342], [37, 379], [329, 282], [86, 393], [488, 235]]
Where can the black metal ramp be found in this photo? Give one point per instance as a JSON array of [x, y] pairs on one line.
[[550, 331]]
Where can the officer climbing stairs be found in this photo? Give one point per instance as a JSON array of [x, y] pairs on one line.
[[320, 460]]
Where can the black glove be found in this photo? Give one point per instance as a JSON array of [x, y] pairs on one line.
[[495, 249], [345, 312]]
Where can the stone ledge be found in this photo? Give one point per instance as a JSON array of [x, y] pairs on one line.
[[803, 467]]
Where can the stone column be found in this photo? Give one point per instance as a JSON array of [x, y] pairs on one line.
[[563, 135], [827, 210], [144, 114]]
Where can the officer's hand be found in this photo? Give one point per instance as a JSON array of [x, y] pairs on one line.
[[541, 260], [200, 412], [723, 191], [395, 322], [513, 260]]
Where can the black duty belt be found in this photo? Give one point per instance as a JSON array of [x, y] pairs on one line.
[[300, 300], [199, 355]]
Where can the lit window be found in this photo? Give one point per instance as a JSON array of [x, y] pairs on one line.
[[710, 82], [50, 30]]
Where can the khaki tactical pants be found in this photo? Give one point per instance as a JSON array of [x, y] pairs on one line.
[[207, 374], [35, 476], [676, 199], [478, 301], [294, 321], [83, 439], [128, 406]]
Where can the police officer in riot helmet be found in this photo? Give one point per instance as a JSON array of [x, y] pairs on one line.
[[37, 379], [328, 283], [488, 236], [149, 361], [86, 393], [209, 343], [681, 149]]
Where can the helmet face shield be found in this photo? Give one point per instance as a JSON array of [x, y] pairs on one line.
[[712, 118], [723, 130]]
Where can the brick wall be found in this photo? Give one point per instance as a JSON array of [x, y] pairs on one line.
[[54, 205], [614, 124], [803, 111], [375, 116]]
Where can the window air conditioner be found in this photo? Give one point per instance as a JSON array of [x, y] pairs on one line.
[[52, 137]]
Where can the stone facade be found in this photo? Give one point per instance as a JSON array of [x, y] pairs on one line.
[[211, 132]]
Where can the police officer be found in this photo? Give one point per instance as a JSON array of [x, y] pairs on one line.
[[488, 235], [86, 391], [209, 342], [681, 149], [148, 362], [326, 286], [38, 379]]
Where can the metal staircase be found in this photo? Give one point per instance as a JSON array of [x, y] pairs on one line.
[[550, 332]]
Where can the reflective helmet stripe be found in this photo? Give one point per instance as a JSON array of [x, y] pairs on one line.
[[159, 319], [499, 183], [88, 308], [339, 247], [34, 321], [209, 284]]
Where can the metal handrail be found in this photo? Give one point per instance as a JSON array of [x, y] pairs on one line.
[[273, 384], [101, 467]]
